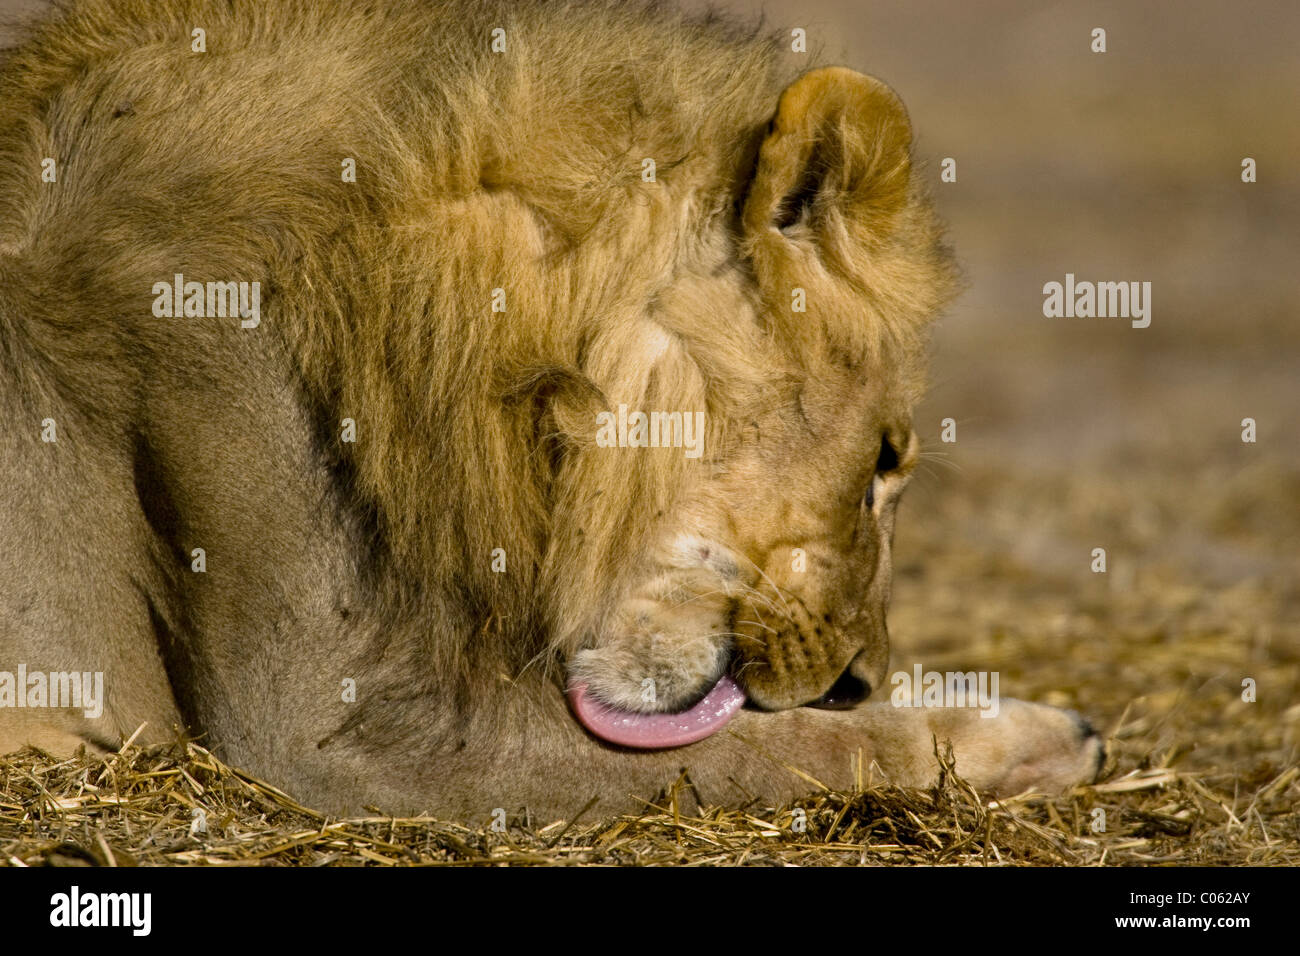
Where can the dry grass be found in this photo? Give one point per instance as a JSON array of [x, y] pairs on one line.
[[137, 808]]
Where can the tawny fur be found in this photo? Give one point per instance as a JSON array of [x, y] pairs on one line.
[[476, 172]]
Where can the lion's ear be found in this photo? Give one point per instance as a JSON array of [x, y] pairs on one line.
[[836, 153]]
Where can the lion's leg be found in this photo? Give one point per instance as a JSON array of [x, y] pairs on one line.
[[79, 588], [554, 768], [56, 734], [1026, 746]]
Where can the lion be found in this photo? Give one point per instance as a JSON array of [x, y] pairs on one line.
[[457, 405]]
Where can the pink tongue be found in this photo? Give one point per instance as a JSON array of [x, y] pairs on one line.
[[653, 731]]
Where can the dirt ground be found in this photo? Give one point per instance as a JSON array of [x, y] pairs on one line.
[[1072, 434]]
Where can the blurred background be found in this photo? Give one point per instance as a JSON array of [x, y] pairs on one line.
[[1075, 434]]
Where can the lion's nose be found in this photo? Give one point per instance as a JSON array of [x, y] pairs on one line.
[[848, 691]]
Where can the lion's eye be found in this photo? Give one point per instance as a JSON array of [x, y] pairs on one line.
[[886, 462]]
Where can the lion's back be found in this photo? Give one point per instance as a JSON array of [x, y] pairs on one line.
[[561, 102]]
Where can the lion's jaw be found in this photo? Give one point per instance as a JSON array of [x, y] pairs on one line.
[[788, 611]]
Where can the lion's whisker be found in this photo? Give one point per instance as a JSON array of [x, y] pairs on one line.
[[772, 584]]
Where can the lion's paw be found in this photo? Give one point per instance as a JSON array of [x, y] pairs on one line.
[[1023, 747]]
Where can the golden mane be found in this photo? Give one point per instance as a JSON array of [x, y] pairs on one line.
[[476, 172]]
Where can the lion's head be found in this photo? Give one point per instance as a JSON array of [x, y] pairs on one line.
[[796, 326], [697, 236]]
